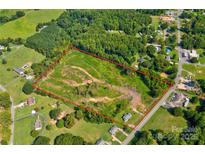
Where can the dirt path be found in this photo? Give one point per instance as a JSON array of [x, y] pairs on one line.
[[96, 99], [127, 92]]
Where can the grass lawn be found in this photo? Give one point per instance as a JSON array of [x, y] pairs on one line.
[[26, 26], [17, 57], [201, 56], [120, 136], [155, 21], [89, 131], [163, 120], [198, 72], [8, 12]]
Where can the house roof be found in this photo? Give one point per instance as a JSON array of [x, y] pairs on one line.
[[113, 130], [18, 70], [126, 116], [30, 100], [38, 123]]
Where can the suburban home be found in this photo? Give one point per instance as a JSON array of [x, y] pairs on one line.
[[38, 124], [167, 18], [19, 71], [31, 101], [178, 100], [113, 130], [126, 117]]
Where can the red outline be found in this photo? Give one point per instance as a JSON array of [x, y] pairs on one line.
[[57, 61]]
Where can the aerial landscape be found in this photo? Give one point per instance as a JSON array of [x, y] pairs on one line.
[[102, 77]]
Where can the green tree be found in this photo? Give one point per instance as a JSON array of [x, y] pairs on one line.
[[5, 100], [28, 88], [194, 99], [177, 111], [41, 140], [60, 123], [68, 139], [4, 61], [78, 114], [34, 133], [55, 113], [69, 121]]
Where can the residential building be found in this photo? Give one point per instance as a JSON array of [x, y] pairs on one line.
[[126, 117], [31, 101], [38, 124], [113, 130], [19, 71]]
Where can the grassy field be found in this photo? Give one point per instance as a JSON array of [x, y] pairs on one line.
[[17, 57], [26, 26], [77, 67], [197, 72], [155, 21], [163, 120], [8, 12], [89, 131]]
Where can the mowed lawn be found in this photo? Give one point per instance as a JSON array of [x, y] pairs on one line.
[[163, 120], [155, 21], [197, 72], [17, 57], [24, 123], [26, 26]]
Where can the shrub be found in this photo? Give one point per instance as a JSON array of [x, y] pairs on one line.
[[41, 140], [69, 121], [48, 127], [60, 123], [27, 88], [34, 133], [4, 61], [54, 113], [78, 114], [177, 111], [4, 142], [68, 139], [194, 100]]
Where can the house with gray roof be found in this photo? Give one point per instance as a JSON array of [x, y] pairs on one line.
[[19, 71], [126, 117]]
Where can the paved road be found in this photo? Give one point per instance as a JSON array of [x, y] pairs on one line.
[[164, 98]]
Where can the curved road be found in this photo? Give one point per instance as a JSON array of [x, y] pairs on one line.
[[167, 94]]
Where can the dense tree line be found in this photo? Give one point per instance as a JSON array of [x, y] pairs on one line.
[[5, 100], [5, 19], [48, 40], [194, 36], [69, 139]]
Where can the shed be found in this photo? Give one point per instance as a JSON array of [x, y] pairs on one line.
[[126, 117], [19, 71], [113, 130], [31, 101], [38, 124]]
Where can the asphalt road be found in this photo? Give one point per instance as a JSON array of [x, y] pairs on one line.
[[164, 98]]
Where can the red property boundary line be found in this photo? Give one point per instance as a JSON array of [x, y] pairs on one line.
[[57, 61], [121, 65]]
